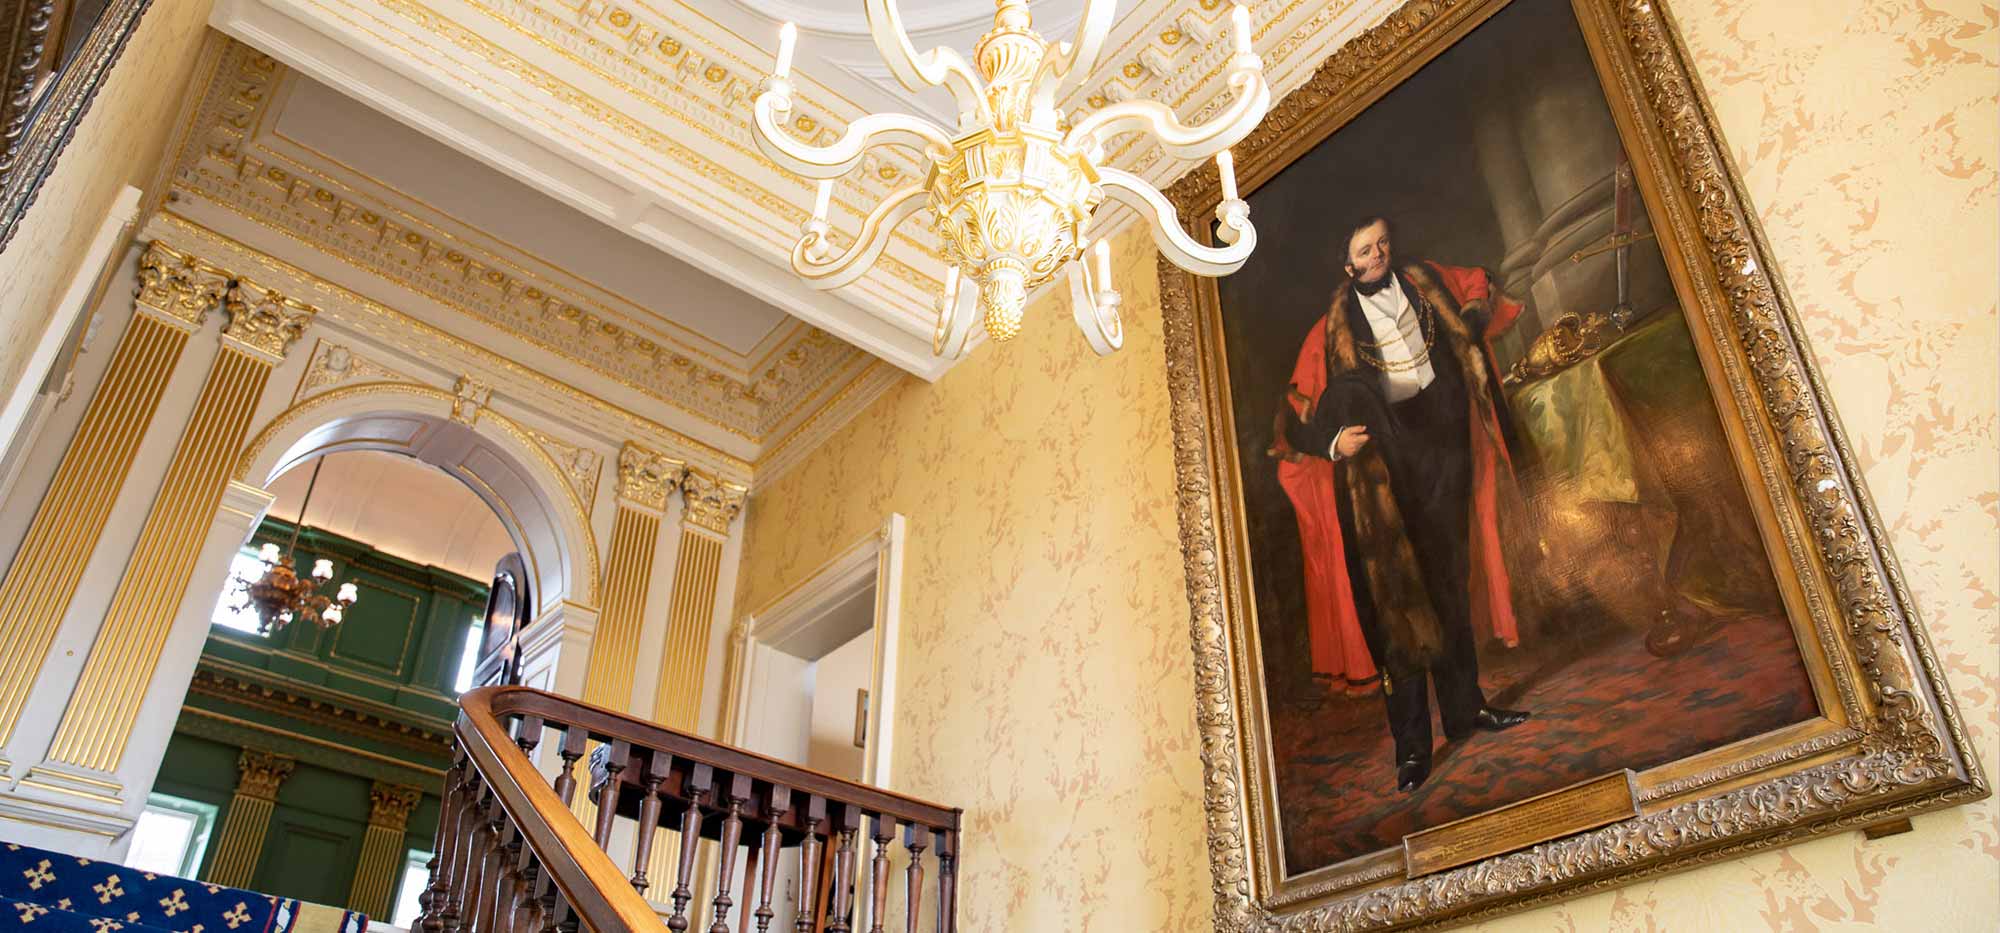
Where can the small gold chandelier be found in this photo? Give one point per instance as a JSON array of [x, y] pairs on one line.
[[281, 595], [1012, 192]]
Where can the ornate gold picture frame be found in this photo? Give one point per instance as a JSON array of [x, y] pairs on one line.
[[1885, 741]]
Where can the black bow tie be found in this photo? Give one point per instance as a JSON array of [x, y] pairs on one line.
[[1370, 288]]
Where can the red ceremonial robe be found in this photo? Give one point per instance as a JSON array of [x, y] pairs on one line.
[[1332, 625]]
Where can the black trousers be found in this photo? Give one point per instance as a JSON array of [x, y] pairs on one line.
[[1430, 469]]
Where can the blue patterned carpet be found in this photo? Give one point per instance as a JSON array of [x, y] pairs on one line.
[[56, 893]]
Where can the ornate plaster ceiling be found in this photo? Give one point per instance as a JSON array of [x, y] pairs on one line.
[[275, 160], [636, 112]]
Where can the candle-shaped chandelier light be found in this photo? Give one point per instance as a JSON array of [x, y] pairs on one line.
[[1013, 190]]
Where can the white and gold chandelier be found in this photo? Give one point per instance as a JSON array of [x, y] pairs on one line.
[[1012, 192]]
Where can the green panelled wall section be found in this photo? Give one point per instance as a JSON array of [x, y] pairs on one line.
[[367, 701]]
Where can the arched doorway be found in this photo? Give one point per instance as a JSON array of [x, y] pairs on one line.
[[487, 452], [333, 727]]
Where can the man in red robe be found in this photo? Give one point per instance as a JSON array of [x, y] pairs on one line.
[[1397, 423]]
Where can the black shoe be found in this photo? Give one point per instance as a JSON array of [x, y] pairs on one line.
[[1490, 719], [1411, 773], [1494, 719]]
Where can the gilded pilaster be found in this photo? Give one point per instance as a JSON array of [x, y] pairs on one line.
[[710, 505], [174, 295], [389, 807], [646, 479], [240, 842], [105, 705]]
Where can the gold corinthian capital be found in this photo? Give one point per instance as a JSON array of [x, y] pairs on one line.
[[712, 502], [264, 320], [647, 477], [178, 287]]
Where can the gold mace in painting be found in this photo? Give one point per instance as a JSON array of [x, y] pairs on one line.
[[1523, 556]]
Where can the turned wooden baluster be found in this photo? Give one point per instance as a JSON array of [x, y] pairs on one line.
[[465, 887], [508, 887], [700, 780], [528, 900], [493, 873], [779, 804], [947, 855], [574, 740], [658, 766], [547, 909], [913, 840], [607, 796], [465, 872], [521, 900], [733, 797], [849, 824], [433, 898], [878, 887], [815, 814]]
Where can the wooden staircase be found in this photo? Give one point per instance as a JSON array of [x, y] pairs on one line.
[[513, 856]]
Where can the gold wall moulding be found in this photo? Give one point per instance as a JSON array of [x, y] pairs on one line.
[[1868, 731]]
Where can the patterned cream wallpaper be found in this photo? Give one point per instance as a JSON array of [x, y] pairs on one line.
[[1045, 684], [119, 142]]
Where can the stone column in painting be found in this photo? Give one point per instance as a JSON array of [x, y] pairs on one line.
[[240, 842]]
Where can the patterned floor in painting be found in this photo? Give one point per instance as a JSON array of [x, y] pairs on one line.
[[1594, 712]]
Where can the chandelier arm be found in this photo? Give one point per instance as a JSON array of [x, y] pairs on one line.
[[839, 158], [867, 246], [1239, 237], [1094, 305], [938, 67], [1069, 63], [958, 313], [1253, 98]]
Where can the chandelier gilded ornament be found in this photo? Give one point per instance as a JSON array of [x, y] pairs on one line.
[[1012, 192], [281, 595]]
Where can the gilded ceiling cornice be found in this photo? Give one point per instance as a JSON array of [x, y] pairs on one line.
[[451, 355], [223, 164]]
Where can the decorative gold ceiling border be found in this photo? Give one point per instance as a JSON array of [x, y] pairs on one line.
[[732, 80], [788, 210], [869, 384], [417, 339], [215, 166]]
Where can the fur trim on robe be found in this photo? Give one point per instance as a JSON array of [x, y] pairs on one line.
[[1393, 576]]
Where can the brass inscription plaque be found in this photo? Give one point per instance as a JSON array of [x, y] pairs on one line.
[[1558, 813]]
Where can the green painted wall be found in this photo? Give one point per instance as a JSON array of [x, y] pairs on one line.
[[368, 700]]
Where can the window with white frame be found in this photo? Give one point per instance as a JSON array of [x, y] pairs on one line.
[[468, 658], [232, 609], [171, 836], [416, 877]]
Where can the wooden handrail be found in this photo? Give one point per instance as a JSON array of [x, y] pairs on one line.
[[512, 857]]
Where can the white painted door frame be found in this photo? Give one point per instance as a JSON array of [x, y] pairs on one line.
[[876, 559]]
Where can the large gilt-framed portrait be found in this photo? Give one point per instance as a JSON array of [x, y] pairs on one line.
[[1524, 555]]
